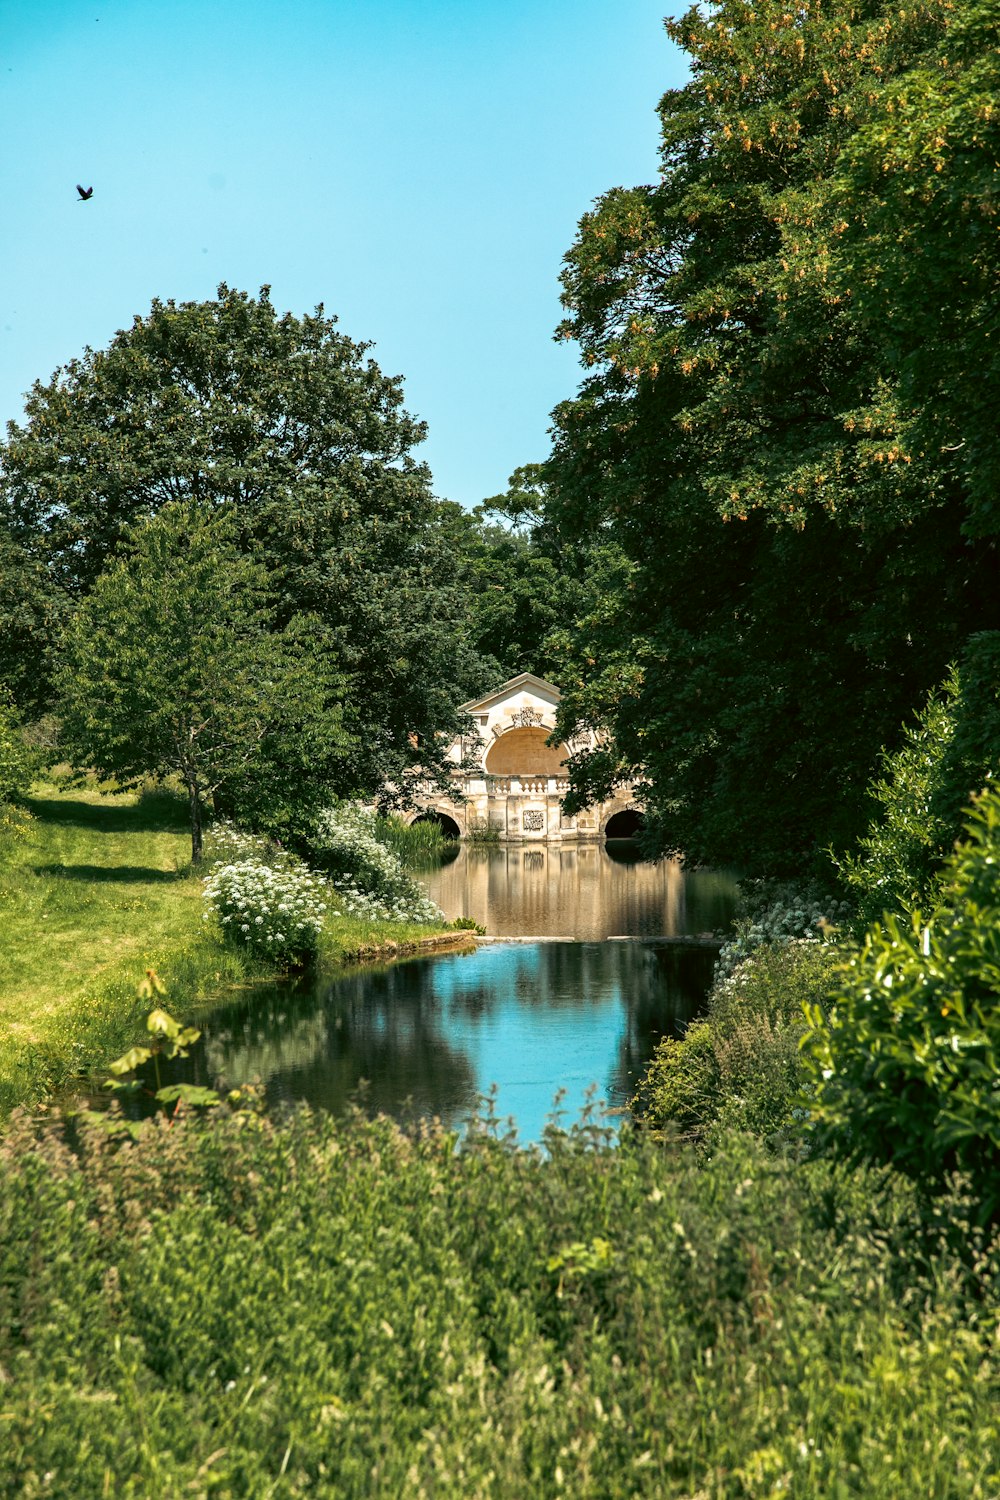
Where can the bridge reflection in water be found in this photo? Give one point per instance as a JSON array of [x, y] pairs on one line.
[[582, 891]]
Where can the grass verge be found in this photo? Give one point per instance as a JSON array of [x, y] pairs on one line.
[[100, 890]]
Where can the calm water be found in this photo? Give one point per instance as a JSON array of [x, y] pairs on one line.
[[592, 891], [431, 1036]]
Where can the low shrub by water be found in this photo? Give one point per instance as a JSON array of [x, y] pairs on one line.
[[239, 1307], [369, 877], [418, 845], [741, 1065]]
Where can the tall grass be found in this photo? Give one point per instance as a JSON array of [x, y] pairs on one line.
[[250, 1308], [418, 845]]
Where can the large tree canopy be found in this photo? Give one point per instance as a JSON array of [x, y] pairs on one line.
[[286, 422], [802, 554]]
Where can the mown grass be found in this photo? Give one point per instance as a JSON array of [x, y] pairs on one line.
[[100, 890]]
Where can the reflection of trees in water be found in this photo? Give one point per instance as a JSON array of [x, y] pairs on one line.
[[398, 1028], [675, 993], [384, 1028]]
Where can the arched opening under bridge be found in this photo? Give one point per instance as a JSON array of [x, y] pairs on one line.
[[627, 824], [447, 825]]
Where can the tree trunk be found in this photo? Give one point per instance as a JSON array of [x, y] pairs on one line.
[[195, 805]]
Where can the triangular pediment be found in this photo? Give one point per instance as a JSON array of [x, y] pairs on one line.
[[525, 682]]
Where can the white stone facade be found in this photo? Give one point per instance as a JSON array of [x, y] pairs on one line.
[[516, 782]]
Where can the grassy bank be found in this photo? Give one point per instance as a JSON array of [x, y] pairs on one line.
[[101, 890]]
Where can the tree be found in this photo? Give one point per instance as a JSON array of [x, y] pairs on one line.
[[522, 583], [16, 770], [284, 421], [170, 665], [743, 437]]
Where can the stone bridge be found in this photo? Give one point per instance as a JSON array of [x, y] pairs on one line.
[[518, 780]]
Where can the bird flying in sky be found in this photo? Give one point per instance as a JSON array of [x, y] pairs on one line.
[[85, 193]]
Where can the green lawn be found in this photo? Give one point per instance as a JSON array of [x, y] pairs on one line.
[[99, 891], [99, 881]]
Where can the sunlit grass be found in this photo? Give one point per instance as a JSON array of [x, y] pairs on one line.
[[100, 890], [99, 881]]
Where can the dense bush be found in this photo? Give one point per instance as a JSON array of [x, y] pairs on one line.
[[946, 756], [419, 845], [240, 1308], [780, 911], [369, 876], [272, 910], [741, 1066], [906, 1060]]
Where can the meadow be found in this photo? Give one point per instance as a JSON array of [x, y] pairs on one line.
[[100, 890]]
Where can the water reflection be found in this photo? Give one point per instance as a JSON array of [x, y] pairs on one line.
[[587, 891], [430, 1036]]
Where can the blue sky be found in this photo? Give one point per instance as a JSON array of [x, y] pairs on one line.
[[419, 166]]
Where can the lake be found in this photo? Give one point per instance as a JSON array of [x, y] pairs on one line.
[[582, 1009]]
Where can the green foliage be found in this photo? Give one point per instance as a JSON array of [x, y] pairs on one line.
[[284, 422], [418, 845], [31, 609], [899, 858], [905, 1059], [236, 1306], [483, 831], [947, 755], [167, 1039], [780, 911], [747, 436], [523, 582], [741, 1067], [368, 874], [170, 666], [16, 769]]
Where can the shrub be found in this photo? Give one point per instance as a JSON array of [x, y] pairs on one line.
[[370, 880], [418, 845], [276, 912], [901, 854], [483, 831], [947, 755], [226, 843], [779, 912], [248, 1307], [906, 1059], [740, 1066]]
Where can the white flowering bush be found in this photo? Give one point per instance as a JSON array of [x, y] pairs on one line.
[[226, 844], [277, 912], [780, 913], [370, 879]]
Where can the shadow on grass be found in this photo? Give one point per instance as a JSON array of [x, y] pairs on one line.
[[159, 812], [113, 874]]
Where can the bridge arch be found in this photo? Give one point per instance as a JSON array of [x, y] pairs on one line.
[[624, 823]]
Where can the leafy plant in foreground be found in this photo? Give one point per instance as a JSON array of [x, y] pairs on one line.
[[906, 1057], [167, 1039]]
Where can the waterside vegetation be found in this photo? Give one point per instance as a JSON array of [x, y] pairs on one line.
[[99, 889], [240, 1307]]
